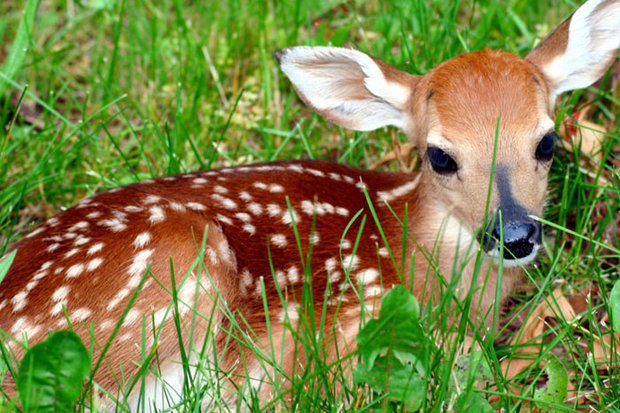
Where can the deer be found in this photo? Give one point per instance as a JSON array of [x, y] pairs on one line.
[[231, 244]]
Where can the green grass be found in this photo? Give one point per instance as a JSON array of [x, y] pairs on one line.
[[116, 91]]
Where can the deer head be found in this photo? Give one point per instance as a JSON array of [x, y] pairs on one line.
[[483, 121]]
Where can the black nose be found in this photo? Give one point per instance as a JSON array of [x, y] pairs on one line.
[[520, 238]]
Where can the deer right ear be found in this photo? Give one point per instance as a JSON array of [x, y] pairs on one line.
[[348, 87], [580, 50]]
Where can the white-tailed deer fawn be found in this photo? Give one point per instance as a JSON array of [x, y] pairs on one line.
[[237, 239]]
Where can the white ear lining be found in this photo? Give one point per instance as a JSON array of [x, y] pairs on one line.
[[593, 35], [346, 85]]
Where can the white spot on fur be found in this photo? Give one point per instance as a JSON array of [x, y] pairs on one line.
[[244, 195], [276, 188], [373, 291], [367, 276], [314, 238], [249, 228], [79, 225], [19, 301], [243, 216], [289, 216], [383, 252], [60, 294], [292, 274], [212, 255], [260, 185], [316, 172], [36, 232], [279, 240], [30, 286], [157, 214], [132, 316], [75, 270], [52, 247], [71, 252], [351, 262], [117, 298], [225, 252], [151, 199], [95, 248], [255, 208], [342, 211], [24, 327], [399, 191], [220, 189], [224, 219], [290, 313], [331, 264], [81, 240], [142, 240], [80, 314], [94, 264], [296, 168], [93, 215], [196, 206], [52, 222], [139, 263], [273, 210], [114, 224], [199, 181], [175, 206], [133, 208], [346, 244], [225, 202]]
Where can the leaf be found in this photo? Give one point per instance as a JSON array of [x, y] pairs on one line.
[[394, 350], [5, 264], [400, 381], [397, 329], [52, 373], [556, 389], [473, 403], [614, 306], [18, 50]]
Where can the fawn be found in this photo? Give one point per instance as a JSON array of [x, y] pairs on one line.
[[237, 238]]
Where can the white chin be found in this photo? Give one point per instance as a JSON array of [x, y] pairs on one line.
[[514, 263]]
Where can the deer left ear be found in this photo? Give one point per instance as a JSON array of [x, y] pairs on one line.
[[348, 87], [579, 51]]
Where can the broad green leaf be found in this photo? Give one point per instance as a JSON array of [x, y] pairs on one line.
[[614, 306], [473, 403], [5, 264], [400, 381], [556, 389], [20, 45], [394, 350], [52, 373], [397, 329]]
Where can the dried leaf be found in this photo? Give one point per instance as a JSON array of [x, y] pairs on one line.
[[583, 134], [530, 335]]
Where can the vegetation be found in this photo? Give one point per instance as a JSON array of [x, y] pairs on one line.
[[96, 94]]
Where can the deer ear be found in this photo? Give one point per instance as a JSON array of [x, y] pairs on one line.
[[579, 51], [348, 87]]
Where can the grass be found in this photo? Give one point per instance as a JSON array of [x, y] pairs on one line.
[[117, 91]]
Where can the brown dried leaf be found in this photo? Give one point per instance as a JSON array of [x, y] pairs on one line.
[[581, 133], [401, 152], [530, 335]]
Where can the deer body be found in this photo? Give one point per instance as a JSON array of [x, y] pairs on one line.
[[246, 244], [102, 247]]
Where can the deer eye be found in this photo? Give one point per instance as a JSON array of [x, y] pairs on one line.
[[546, 147], [441, 162]]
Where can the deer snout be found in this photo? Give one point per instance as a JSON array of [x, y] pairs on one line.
[[521, 238]]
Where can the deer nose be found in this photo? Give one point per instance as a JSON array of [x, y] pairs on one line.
[[520, 237]]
